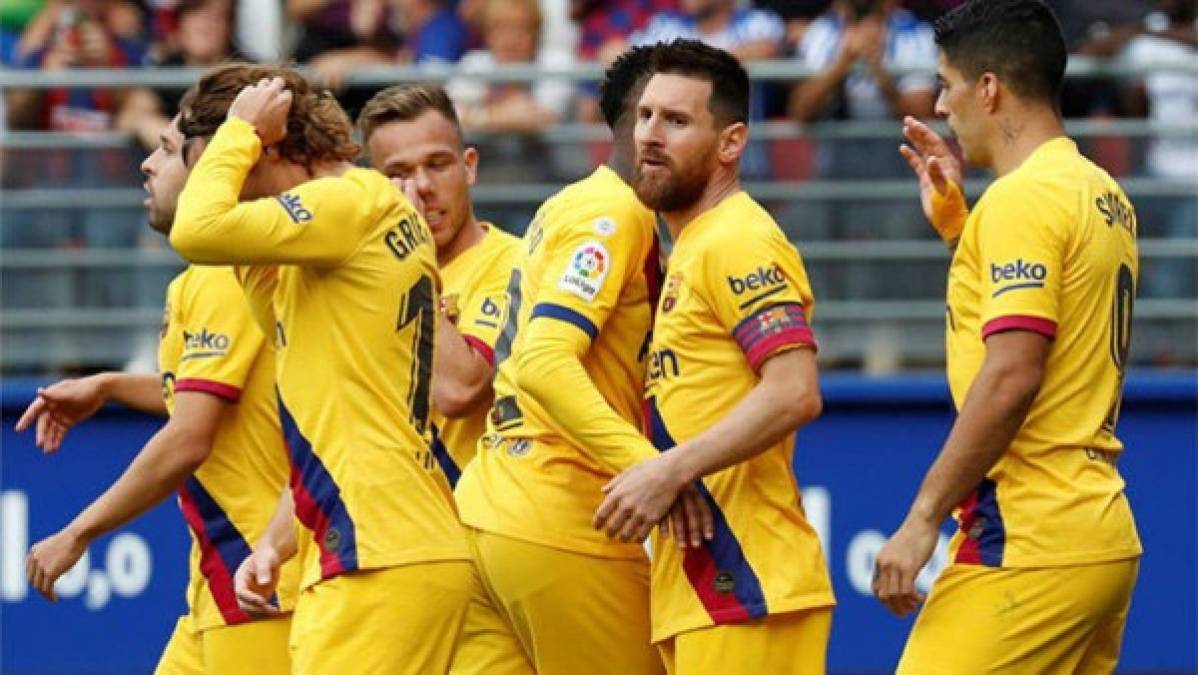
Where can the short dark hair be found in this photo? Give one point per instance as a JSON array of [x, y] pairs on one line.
[[404, 103], [621, 78], [1018, 40], [729, 102]]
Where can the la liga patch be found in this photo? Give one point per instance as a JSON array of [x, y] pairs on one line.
[[586, 271]]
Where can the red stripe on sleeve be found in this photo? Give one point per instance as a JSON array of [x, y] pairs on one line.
[[484, 350], [771, 330], [218, 389], [1034, 324]]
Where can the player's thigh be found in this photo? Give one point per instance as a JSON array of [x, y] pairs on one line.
[[489, 645], [574, 614], [1102, 653], [400, 620], [184, 654], [254, 648], [795, 643], [986, 620]]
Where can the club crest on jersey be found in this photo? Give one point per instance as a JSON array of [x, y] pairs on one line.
[[725, 582], [295, 210], [669, 293], [587, 269], [773, 320], [449, 307]]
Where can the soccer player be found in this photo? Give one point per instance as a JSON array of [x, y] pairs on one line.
[[1040, 294], [731, 376], [554, 596], [412, 135], [346, 269], [221, 449]]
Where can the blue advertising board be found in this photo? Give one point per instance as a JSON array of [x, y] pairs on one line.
[[859, 465]]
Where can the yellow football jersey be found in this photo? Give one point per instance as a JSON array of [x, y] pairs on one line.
[[354, 299], [735, 294], [1049, 248], [583, 269], [210, 344], [475, 300]]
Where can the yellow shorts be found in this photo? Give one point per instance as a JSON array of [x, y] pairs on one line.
[[398, 620], [254, 648], [1048, 620], [538, 609], [795, 643]]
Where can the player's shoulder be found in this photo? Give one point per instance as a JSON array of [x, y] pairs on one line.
[[741, 224], [202, 280], [600, 206]]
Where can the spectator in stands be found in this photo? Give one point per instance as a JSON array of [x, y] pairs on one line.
[[511, 115], [80, 34], [76, 34], [432, 31], [333, 26], [416, 31], [797, 15], [607, 25], [1169, 35], [749, 34], [877, 35], [852, 48], [511, 29], [203, 37]]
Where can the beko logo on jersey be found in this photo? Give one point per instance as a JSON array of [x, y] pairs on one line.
[[295, 210], [1025, 274], [205, 341], [763, 277]]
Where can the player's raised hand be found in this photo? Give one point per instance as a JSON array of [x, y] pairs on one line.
[[50, 558], [255, 581], [940, 178], [899, 562], [59, 407], [264, 105]]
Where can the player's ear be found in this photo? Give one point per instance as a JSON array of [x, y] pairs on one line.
[[470, 159], [732, 142], [987, 91]]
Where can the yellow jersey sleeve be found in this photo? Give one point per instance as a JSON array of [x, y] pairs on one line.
[[758, 290], [312, 224], [220, 339], [480, 320], [592, 260], [1021, 255]]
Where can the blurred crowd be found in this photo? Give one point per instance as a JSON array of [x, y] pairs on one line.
[[852, 46]]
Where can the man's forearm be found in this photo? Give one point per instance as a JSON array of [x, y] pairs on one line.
[[158, 470], [142, 392], [994, 411], [280, 532], [772, 410], [461, 376]]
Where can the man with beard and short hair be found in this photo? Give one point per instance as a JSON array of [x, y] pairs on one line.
[[731, 339], [412, 135], [553, 596], [221, 449]]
